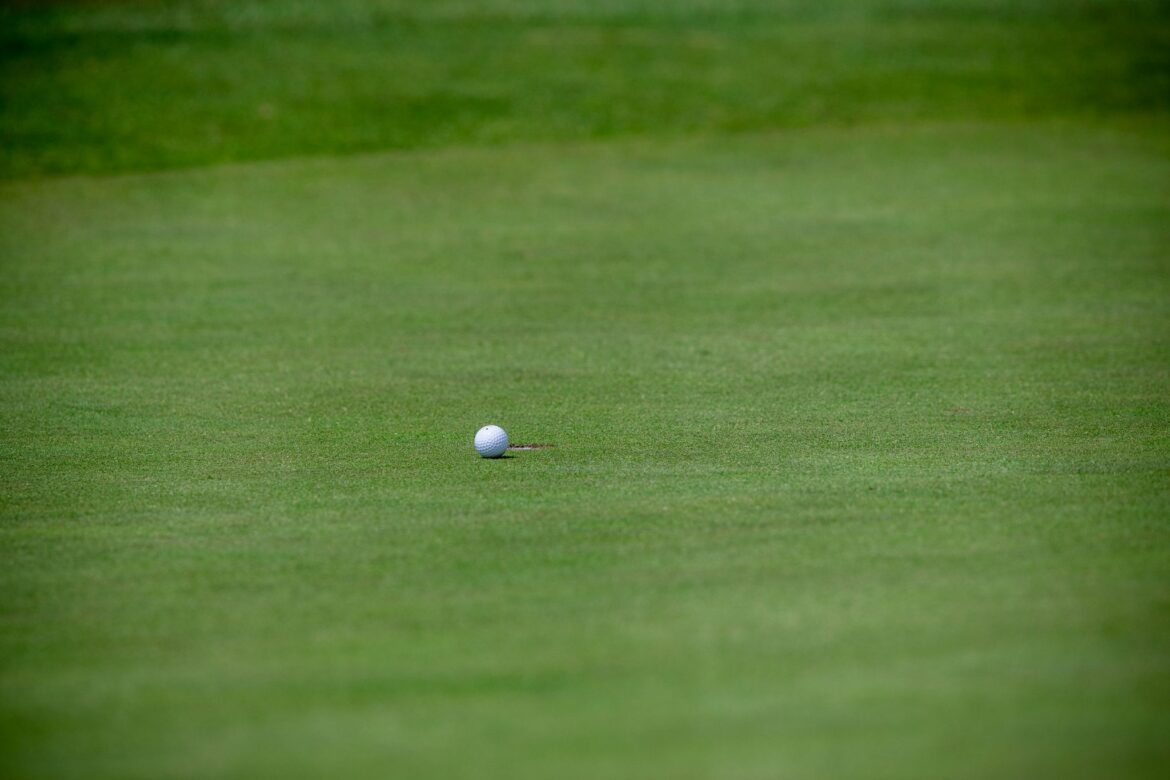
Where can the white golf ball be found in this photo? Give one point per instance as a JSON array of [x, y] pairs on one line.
[[491, 441]]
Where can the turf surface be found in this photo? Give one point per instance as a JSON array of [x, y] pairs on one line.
[[861, 463], [166, 83]]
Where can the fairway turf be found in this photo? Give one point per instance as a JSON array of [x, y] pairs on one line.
[[860, 460]]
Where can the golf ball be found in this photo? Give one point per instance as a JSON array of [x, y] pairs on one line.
[[491, 441]]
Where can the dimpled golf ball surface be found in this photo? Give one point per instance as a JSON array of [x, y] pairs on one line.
[[491, 441]]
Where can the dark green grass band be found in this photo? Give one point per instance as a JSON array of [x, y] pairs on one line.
[[132, 86]]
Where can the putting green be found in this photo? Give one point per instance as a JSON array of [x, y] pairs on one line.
[[861, 461]]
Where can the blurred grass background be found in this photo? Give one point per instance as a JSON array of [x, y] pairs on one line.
[[116, 86]]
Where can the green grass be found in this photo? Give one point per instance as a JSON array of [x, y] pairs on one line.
[[132, 86], [860, 411], [861, 457]]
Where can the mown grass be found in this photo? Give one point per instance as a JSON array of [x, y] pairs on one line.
[[133, 86], [848, 323], [861, 457]]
